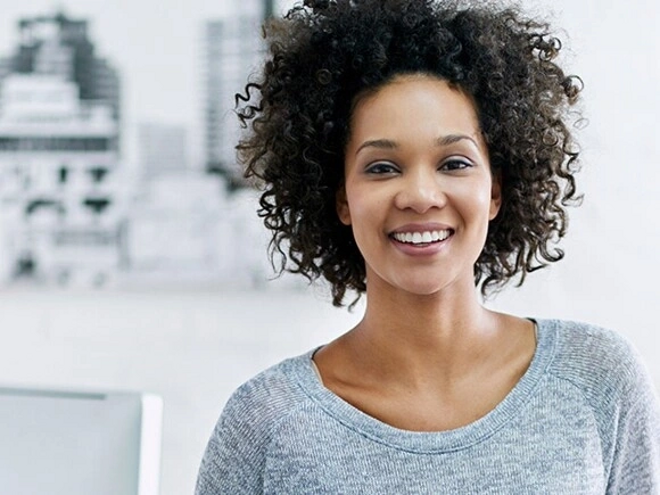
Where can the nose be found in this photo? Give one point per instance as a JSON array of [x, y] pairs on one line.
[[420, 189]]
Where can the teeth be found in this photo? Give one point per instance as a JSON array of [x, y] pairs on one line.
[[422, 237]]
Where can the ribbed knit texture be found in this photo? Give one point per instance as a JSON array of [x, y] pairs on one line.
[[584, 419]]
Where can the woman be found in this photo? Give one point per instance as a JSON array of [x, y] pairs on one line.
[[410, 151]]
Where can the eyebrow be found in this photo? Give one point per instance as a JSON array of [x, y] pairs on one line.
[[454, 138], [388, 144], [383, 144]]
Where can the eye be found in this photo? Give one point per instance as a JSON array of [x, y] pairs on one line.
[[381, 168], [455, 164]]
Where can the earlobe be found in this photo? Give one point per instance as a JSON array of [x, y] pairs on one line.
[[341, 205]]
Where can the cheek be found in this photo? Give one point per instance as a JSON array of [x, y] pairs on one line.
[[368, 214], [485, 202], [367, 211], [475, 199]]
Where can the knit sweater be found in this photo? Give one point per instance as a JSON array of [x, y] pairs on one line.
[[583, 419]]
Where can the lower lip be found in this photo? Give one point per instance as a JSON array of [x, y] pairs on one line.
[[427, 249]]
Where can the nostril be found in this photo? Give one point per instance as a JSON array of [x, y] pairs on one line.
[[420, 198]]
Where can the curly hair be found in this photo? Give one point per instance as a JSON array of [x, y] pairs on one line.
[[326, 54]]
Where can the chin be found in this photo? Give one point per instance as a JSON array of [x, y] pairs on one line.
[[423, 282], [422, 289]]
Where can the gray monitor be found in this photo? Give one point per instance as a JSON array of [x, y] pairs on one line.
[[75, 443]]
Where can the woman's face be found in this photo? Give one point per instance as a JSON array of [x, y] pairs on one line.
[[418, 188]]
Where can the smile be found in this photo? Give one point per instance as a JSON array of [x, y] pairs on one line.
[[422, 237]]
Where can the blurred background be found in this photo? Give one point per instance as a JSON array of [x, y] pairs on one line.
[[131, 257]]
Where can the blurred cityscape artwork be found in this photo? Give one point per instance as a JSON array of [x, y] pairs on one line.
[[73, 214]]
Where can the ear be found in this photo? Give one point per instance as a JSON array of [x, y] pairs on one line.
[[341, 204], [495, 195]]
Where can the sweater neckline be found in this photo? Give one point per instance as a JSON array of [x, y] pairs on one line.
[[440, 441]]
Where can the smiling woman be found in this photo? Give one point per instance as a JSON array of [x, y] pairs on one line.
[[413, 151], [416, 167]]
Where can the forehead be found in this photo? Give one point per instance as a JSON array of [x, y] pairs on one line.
[[409, 104]]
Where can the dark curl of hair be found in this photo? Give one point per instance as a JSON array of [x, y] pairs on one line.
[[323, 55]]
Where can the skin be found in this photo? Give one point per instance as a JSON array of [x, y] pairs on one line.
[[427, 356]]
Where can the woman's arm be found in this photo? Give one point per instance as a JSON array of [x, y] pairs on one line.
[[635, 465]]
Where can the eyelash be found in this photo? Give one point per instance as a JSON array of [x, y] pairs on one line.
[[374, 168], [462, 164], [449, 165]]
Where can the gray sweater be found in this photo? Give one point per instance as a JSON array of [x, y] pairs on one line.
[[584, 419]]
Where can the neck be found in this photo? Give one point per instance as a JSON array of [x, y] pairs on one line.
[[441, 334]]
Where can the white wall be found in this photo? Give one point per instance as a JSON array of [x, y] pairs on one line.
[[611, 267], [194, 348]]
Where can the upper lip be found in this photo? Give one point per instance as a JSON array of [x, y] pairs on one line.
[[421, 227]]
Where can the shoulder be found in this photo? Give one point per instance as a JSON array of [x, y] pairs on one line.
[[610, 375], [263, 401], [599, 361], [236, 453], [607, 373]]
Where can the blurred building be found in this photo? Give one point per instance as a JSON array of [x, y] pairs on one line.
[[58, 193], [5, 67], [233, 51], [62, 199], [162, 149], [72, 214], [186, 230], [59, 46]]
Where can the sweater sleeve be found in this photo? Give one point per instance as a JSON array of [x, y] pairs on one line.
[[636, 457], [234, 457], [237, 452]]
